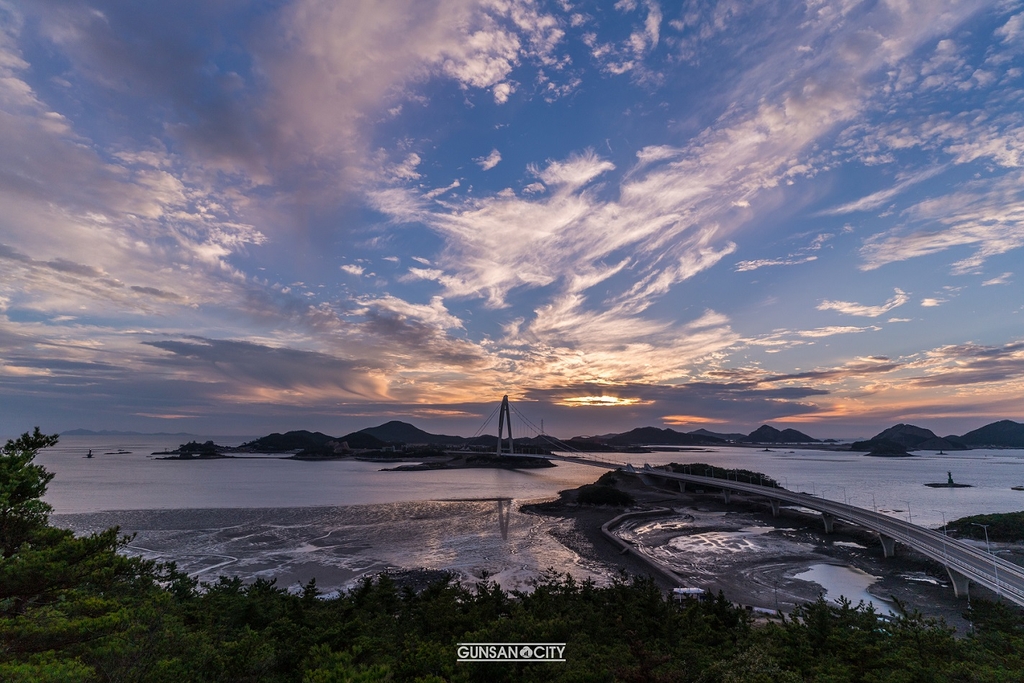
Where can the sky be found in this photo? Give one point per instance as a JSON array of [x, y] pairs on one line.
[[237, 217]]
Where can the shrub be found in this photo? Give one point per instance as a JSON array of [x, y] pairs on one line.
[[598, 494]]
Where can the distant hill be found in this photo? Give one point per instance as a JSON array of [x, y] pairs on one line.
[[909, 436], [665, 437], [114, 432], [717, 435], [362, 440], [1006, 433], [403, 432], [883, 447], [943, 443], [768, 434], [289, 441], [586, 444]]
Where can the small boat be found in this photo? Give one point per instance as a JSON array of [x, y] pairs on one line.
[[1017, 488]]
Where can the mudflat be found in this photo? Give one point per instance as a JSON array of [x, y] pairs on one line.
[[754, 558]]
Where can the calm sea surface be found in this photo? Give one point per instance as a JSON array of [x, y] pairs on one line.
[[138, 481]]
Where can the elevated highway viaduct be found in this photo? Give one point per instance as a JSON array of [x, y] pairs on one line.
[[963, 562]]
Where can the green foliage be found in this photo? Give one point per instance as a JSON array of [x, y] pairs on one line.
[[599, 494], [1004, 527], [704, 470], [22, 486], [77, 610]]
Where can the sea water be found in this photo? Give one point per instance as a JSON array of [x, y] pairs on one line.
[[138, 480], [337, 520]]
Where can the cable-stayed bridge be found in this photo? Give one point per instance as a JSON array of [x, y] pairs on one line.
[[963, 562]]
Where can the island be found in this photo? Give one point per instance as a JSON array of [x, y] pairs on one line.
[[470, 460], [949, 483], [193, 450]]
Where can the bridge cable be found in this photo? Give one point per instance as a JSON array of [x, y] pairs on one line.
[[486, 422], [557, 443]]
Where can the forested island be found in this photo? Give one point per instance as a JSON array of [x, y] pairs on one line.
[[75, 609]]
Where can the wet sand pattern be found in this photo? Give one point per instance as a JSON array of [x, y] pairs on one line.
[[338, 545], [735, 553]]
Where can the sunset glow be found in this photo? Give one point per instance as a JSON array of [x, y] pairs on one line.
[[311, 214]]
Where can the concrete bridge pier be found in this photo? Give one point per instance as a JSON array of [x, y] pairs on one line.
[[960, 583], [682, 486], [888, 545], [726, 496], [648, 481], [775, 507], [829, 520]]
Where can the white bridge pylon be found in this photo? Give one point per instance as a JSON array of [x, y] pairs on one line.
[[505, 415]]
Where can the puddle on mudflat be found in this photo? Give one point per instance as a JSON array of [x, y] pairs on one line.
[[742, 541], [921, 577], [842, 581], [849, 544]]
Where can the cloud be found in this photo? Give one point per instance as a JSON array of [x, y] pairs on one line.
[[877, 199], [931, 303], [574, 172], [998, 280], [242, 128], [859, 367], [738, 402], [778, 340], [852, 308], [639, 231], [834, 330], [985, 215], [502, 91], [744, 266], [969, 364], [406, 170], [435, 313], [437, 192], [490, 161], [628, 55], [259, 373], [1012, 29], [313, 77]]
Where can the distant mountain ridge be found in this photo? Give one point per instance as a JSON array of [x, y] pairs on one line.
[[403, 432], [905, 434], [664, 437], [1006, 433], [1003, 433], [733, 436], [289, 441], [910, 438], [769, 434]]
